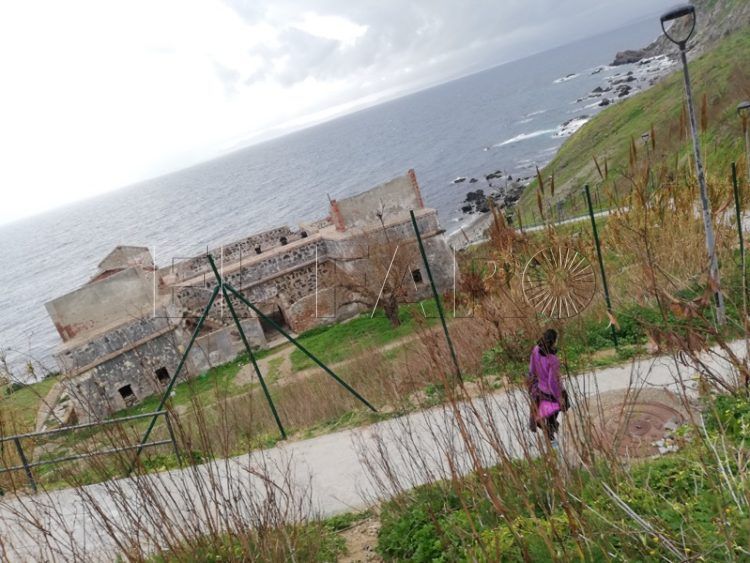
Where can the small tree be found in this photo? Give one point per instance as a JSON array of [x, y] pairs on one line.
[[387, 275]]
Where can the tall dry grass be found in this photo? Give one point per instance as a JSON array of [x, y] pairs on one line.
[[252, 508]]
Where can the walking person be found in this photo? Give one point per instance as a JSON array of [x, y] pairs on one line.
[[548, 398]]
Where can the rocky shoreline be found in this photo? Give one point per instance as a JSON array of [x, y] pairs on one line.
[[505, 189]]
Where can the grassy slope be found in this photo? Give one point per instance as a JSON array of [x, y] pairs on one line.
[[721, 74], [18, 408]]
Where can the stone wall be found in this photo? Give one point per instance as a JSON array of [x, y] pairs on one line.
[[80, 356], [387, 201], [100, 391], [119, 298], [224, 345], [281, 260], [244, 249]]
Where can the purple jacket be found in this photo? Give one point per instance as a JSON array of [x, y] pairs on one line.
[[544, 372]]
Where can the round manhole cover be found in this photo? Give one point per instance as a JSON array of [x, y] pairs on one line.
[[632, 429]]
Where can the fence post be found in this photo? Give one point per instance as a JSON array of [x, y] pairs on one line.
[[738, 212], [172, 381], [249, 350], [172, 437], [601, 261], [25, 463], [740, 234], [301, 348], [436, 296]]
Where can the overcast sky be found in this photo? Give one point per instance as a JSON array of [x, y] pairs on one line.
[[98, 94]]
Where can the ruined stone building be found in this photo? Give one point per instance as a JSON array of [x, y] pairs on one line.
[[123, 333]]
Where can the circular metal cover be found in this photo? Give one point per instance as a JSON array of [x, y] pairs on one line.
[[633, 429]]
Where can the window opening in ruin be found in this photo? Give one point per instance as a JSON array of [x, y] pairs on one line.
[[416, 275], [283, 241], [276, 316], [258, 250], [127, 395], [162, 375], [303, 234]]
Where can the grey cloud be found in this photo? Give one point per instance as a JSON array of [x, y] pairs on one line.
[[438, 39], [308, 55]]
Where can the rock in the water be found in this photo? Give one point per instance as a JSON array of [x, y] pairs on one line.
[[459, 180], [624, 80], [475, 202], [628, 57], [597, 90], [604, 103], [473, 181], [623, 90], [475, 196]]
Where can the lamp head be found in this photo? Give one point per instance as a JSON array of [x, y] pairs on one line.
[[683, 11], [743, 110]]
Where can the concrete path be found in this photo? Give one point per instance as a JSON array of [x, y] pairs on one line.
[[458, 239], [330, 474]]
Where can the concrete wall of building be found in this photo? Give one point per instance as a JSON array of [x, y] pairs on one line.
[[123, 257], [314, 310], [224, 345], [96, 392], [83, 354], [389, 200], [119, 298], [363, 258]]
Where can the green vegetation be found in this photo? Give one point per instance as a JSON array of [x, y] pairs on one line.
[[314, 542], [720, 75], [19, 404], [684, 498], [335, 343]]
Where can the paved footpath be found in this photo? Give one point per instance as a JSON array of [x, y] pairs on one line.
[[334, 472]]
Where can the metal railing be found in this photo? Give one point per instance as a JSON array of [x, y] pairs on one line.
[[27, 466]]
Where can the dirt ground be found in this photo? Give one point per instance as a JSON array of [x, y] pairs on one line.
[[361, 540]]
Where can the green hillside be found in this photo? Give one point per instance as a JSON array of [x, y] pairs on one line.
[[721, 75]]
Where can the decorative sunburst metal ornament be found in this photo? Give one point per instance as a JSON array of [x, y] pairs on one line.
[[559, 282]]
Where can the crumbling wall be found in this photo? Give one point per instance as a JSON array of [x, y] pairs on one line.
[[119, 298], [97, 393], [233, 252], [100, 346], [123, 257], [384, 202], [224, 345], [280, 261]]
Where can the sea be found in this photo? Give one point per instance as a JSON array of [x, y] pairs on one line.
[[507, 118]]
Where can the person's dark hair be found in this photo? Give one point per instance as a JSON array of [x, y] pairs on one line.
[[547, 342]]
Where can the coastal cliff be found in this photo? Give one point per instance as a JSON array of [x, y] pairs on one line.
[[720, 79], [717, 19]]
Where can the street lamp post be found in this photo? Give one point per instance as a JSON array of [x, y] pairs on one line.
[[679, 13], [743, 110]]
